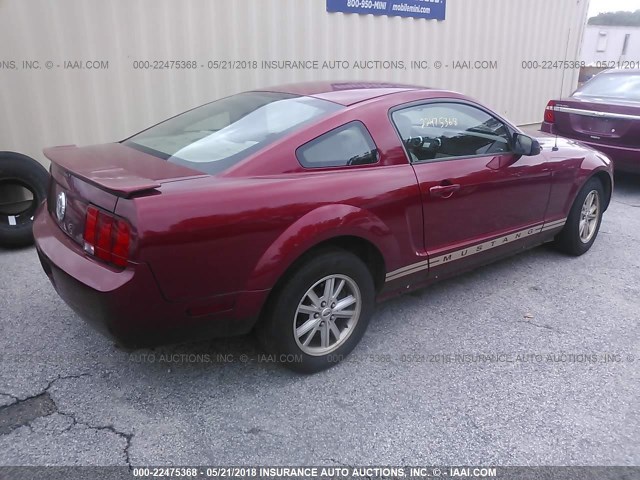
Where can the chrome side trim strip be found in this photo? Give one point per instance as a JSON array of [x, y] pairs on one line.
[[408, 267], [592, 113], [472, 250], [408, 271], [562, 221], [554, 225]]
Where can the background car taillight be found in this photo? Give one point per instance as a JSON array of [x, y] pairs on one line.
[[107, 237], [550, 112]]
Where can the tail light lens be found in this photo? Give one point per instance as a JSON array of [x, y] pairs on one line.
[[107, 237], [550, 112]]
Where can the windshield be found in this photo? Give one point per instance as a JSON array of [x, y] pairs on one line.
[[612, 85], [218, 135]]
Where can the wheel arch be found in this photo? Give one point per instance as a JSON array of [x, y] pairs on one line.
[[607, 185], [362, 248], [601, 173], [331, 226]]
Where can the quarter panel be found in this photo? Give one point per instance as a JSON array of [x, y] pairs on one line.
[[317, 226], [214, 236]]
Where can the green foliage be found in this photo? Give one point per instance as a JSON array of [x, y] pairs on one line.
[[626, 19]]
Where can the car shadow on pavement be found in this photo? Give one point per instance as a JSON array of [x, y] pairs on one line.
[[210, 354], [245, 351], [626, 183]]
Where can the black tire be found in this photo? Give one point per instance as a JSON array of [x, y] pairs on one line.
[[23, 187], [276, 329], [569, 240]]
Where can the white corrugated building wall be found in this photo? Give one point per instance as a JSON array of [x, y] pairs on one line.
[[53, 105]]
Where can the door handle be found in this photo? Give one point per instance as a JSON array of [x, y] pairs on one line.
[[444, 191]]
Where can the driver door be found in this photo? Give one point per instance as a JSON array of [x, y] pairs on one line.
[[479, 199]]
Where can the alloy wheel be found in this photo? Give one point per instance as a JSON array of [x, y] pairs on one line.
[[589, 217], [327, 315]]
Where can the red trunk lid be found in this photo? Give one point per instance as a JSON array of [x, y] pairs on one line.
[[615, 122], [99, 175]]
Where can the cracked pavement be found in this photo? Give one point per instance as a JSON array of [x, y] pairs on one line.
[[69, 397]]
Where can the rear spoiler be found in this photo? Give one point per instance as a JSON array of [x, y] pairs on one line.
[[114, 179]]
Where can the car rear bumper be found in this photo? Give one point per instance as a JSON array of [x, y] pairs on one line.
[[625, 159], [127, 305]]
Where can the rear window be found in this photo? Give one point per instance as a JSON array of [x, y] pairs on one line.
[[218, 135], [624, 86]]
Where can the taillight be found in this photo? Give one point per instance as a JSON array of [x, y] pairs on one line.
[[107, 237], [550, 112], [121, 241]]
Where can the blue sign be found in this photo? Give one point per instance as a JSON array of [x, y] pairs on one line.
[[432, 9]]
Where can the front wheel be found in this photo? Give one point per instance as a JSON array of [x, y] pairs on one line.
[[583, 224], [320, 313]]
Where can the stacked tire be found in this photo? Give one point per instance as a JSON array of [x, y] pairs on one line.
[[23, 187]]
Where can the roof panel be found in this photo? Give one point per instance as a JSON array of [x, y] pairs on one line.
[[344, 93]]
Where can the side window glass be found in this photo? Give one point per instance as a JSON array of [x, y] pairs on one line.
[[348, 145], [439, 131]]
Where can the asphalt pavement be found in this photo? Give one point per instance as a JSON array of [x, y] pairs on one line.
[[534, 360]]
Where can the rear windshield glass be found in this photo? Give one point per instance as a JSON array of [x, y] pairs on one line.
[[218, 135], [612, 85]]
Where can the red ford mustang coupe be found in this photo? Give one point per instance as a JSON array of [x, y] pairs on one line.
[[291, 210]]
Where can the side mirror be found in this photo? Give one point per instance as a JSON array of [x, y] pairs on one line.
[[525, 145]]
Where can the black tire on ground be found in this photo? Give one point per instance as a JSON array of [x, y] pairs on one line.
[[569, 239], [23, 187], [276, 329]]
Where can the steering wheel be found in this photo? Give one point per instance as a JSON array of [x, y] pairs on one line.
[[414, 142]]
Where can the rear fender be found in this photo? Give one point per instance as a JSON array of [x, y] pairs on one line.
[[317, 226]]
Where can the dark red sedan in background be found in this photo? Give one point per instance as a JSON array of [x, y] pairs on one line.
[[605, 114], [293, 209]]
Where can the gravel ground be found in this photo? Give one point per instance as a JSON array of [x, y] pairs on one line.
[[69, 397]]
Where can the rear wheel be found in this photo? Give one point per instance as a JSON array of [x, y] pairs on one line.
[[320, 313], [23, 187], [583, 224]]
